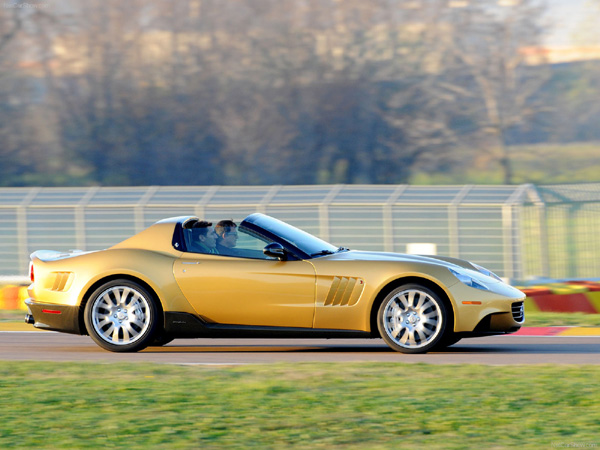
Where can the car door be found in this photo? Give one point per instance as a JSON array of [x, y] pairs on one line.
[[248, 289]]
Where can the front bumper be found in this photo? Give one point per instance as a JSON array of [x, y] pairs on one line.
[[54, 317], [500, 323], [490, 311]]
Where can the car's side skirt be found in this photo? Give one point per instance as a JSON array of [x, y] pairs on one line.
[[185, 325]]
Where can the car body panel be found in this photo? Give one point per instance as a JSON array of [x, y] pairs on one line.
[[384, 269], [231, 290], [370, 279], [143, 257]]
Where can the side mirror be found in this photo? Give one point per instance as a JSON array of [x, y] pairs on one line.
[[275, 250]]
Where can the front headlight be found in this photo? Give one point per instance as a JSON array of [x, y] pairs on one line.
[[487, 272], [468, 280]]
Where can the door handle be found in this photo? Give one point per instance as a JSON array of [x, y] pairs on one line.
[[190, 262]]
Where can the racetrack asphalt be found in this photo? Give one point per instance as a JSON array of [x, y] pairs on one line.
[[548, 345]]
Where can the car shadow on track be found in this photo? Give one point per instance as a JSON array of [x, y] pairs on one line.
[[173, 348]]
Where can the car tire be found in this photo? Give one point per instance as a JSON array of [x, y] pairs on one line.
[[412, 319], [121, 316]]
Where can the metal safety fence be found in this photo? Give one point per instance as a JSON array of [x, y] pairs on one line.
[[519, 232]]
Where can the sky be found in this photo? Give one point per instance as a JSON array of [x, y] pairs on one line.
[[574, 22]]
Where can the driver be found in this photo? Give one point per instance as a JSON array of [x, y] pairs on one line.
[[204, 238], [226, 231]]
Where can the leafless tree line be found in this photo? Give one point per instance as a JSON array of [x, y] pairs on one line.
[[263, 91]]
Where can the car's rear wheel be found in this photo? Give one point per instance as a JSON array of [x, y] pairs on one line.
[[412, 319], [121, 316]]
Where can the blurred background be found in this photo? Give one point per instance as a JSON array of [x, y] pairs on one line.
[[261, 92], [100, 97]]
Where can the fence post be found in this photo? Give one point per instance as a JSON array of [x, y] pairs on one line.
[[324, 212], [271, 193], [511, 236], [139, 208], [453, 238], [22, 232], [542, 226], [388, 220], [80, 232], [200, 208]]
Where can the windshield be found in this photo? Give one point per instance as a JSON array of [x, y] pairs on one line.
[[302, 240]]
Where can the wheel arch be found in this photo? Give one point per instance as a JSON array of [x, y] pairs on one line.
[[429, 284], [107, 279]]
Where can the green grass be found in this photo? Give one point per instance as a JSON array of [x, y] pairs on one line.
[[327, 406], [12, 315], [544, 319], [538, 164]]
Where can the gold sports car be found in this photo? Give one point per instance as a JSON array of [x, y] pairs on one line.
[[280, 282]]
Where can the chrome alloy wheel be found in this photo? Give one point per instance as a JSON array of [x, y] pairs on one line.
[[412, 319], [121, 315]]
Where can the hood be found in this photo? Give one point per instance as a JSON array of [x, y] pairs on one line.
[[356, 255], [455, 264]]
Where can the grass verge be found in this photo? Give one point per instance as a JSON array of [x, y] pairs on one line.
[[332, 406], [12, 315], [549, 319]]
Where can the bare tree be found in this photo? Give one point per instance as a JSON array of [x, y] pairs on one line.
[[283, 91], [13, 138], [488, 73]]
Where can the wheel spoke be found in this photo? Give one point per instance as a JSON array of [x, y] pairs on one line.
[[115, 335], [135, 321], [422, 299], [107, 300], [124, 295], [410, 298], [105, 321], [396, 331], [407, 338], [430, 321], [117, 294], [108, 332], [125, 328], [421, 335]]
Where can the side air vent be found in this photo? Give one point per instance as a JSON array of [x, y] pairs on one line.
[[344, 291], [518, 312], [60, 281]]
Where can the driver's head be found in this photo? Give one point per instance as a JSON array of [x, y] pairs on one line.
[[226, 231], [203, 232]]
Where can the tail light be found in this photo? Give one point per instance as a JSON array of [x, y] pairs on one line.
[[31, 276]]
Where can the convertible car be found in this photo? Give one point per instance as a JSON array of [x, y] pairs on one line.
[[280, 282]]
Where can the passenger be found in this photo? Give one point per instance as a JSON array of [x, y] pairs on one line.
[[204, 238], [227, 236]]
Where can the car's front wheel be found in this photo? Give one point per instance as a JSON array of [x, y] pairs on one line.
[[121, 316], [412, 319]]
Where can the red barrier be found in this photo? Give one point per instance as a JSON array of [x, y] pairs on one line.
[[13, 297], [564, 303]]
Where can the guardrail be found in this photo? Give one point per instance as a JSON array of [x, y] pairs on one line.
[[519, 232]]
